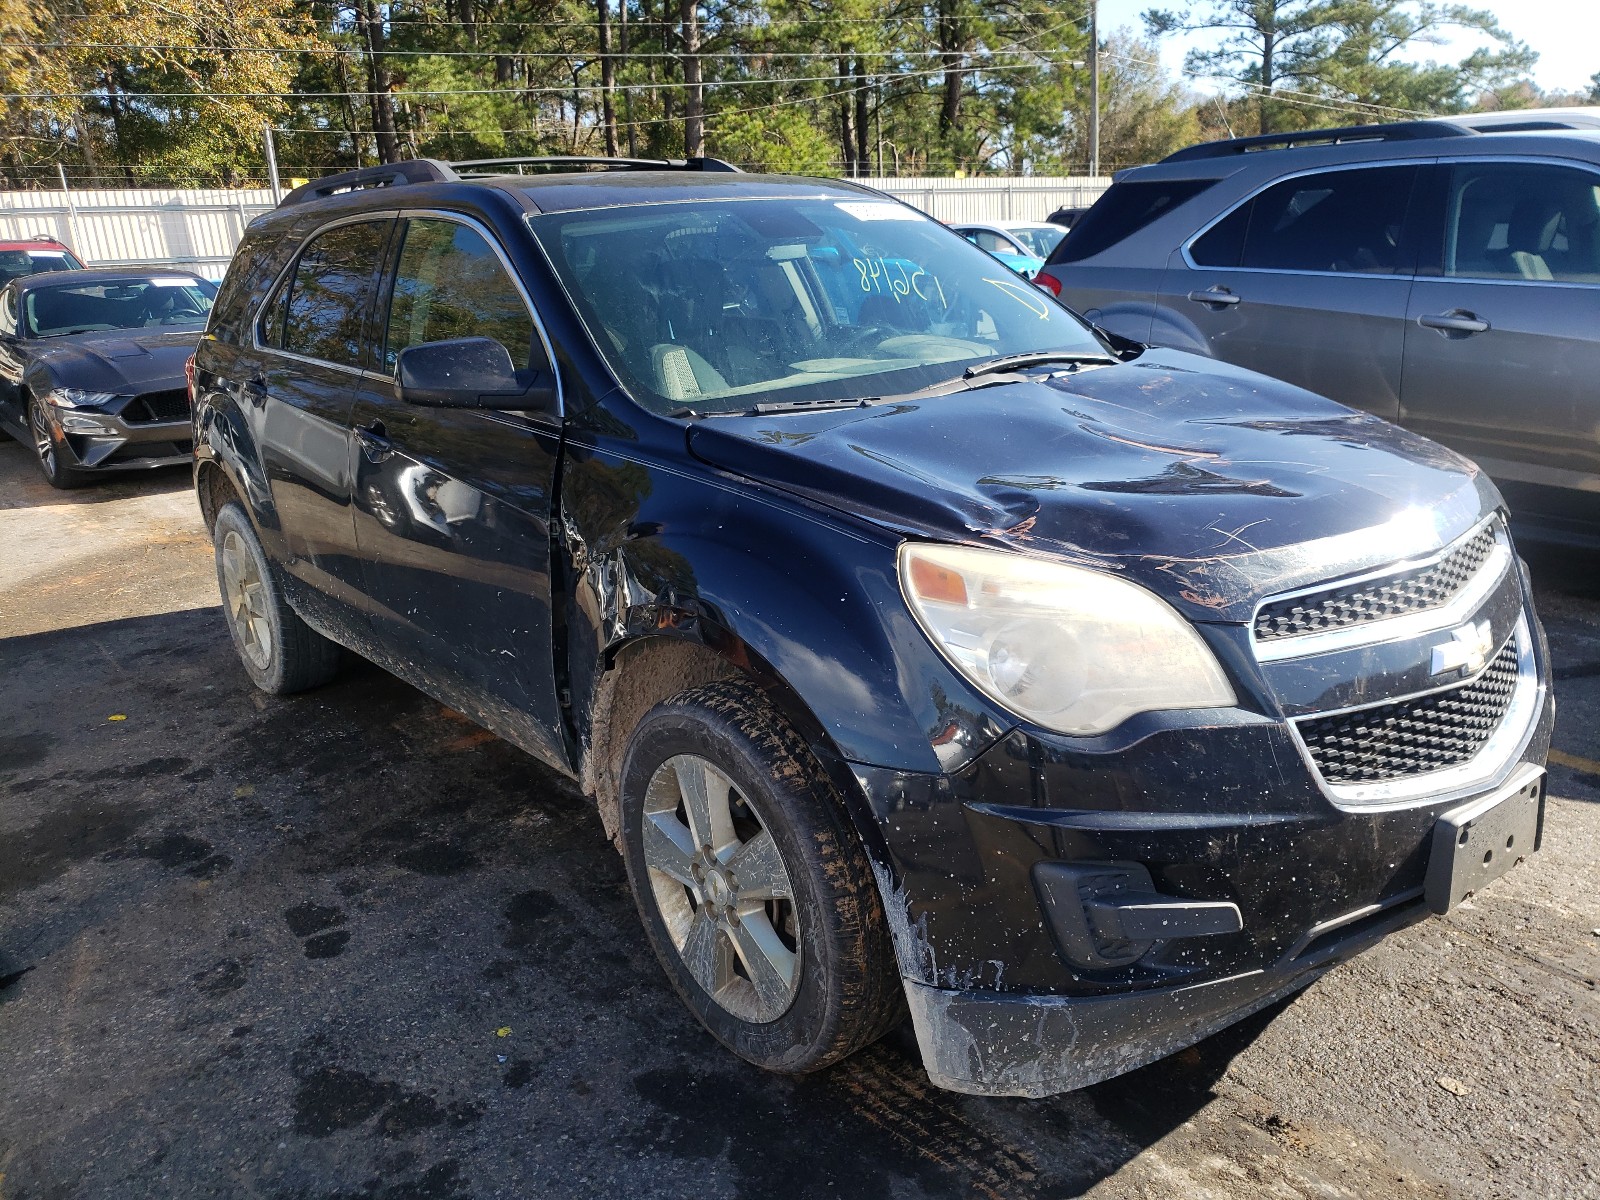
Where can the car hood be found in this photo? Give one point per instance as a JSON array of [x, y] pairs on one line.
[[124, 360], [1212, 485]]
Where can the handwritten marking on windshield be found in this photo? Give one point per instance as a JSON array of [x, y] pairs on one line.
[[892, 279], [1025, 294]]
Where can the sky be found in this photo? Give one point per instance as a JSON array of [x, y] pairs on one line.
[[1566, 34]]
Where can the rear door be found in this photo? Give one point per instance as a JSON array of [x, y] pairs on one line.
[[453, 506], [1306, 281], [1502, 353], [309, 366]]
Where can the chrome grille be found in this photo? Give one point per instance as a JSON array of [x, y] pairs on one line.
[[1412, 737], [1411, 591]]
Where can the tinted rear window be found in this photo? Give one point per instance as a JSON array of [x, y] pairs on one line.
[[256, 263], [1124, 210], [1345, 221], [330, 290]]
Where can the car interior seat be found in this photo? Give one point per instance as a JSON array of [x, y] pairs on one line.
[[1535, 225]]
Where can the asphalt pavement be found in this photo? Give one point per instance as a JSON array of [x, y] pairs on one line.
[[346, 944]]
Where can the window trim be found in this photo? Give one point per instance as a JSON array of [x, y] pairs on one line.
[[1421, 164], [278, 284], [1436, 273], [391, 272]]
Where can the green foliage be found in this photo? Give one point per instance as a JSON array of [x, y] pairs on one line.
[[1307, 63], [180, 91]]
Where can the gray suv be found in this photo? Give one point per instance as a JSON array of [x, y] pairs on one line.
[[1444, 274]]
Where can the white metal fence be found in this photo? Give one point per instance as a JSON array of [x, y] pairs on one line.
[[986, 199], [198, 228]]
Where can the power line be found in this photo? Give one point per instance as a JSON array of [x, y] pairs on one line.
[[1049, 57], [1313, 99], [356, 51]]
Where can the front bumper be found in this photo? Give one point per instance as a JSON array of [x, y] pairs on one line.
[[1225, 813], [94, 439]]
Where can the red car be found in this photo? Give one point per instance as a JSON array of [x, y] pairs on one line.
[[29, 256]]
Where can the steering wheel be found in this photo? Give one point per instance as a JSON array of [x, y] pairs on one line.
[[181, 314]]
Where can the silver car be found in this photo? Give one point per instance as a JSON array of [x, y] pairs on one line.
[[1444, 274]]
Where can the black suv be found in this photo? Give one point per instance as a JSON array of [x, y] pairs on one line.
[[919, 644]]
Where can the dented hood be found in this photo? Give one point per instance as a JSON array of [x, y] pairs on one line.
[[1212, 485]]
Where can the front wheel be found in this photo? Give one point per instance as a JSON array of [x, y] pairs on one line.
[[280, 652], [755, 891], [47, 453]]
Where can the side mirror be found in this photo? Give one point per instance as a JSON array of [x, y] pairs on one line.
[[474, 372]]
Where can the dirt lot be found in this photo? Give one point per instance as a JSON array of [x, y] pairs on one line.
[[347, 945]]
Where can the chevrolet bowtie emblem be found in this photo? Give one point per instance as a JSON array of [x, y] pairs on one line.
[[1467, 650]]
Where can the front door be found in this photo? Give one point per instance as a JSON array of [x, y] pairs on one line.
[[1503, 343], [1306, 282], [453, 506], [303, 381]]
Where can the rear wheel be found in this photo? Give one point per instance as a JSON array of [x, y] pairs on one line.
[[280, 652], [48, 454], [754, 889]]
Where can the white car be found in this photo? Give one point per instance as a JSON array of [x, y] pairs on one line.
[[1032, 239]]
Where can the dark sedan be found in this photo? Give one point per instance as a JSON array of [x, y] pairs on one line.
[[92, 368]]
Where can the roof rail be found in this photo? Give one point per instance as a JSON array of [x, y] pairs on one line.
[[414, 170], [1399, 131], [431, 170], [479, 166]]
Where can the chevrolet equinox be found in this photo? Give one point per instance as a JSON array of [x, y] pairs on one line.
[[922, 646]]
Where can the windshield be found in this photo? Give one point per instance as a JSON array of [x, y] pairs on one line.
[[14, 264], [141, 302], [1039, 239], [715, 306]]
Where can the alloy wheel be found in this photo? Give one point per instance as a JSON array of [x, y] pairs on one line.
[[722, 889], [43, 443], [245, 593]]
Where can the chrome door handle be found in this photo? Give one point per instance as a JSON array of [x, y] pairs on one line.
[[1457, 320], [1215, 297], [375, 443]]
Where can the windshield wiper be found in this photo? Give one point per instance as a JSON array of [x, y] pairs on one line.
[[780, 406], [1033, 358], [959, 383], [773, 406]]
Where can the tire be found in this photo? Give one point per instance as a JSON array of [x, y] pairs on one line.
[[790, 984], [47, 455], [280, 652]]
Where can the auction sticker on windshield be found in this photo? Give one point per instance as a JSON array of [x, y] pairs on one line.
[[877, 210]]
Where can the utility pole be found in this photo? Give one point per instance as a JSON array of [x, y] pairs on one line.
[[1094, 88], [272, 163], [694, 112], [627, 95]]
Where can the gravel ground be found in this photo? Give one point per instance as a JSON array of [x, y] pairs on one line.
[[348, 945]]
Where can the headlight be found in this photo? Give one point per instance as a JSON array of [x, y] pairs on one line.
[[1073, 650], [78, 398]]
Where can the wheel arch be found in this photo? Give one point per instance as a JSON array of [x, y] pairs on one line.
[[643, 671], [226, 464]]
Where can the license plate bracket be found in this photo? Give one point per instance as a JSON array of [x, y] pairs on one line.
[[1483, 839]]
